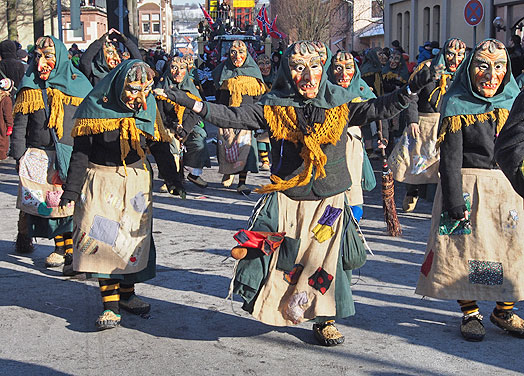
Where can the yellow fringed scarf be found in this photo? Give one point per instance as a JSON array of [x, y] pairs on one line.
[[283, 124], [455, 123], [393, 76], [29, 101], [441, 87], [242, 85], [179, 110], [129, 133]]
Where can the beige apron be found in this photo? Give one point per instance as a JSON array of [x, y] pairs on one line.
[[233, 150], [40, 186], [415, 161], [355, 159], [112, 220], [281, 303], [488, 263]]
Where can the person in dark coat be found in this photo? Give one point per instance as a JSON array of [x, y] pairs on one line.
[[6, 116], [307, 118], [10, 66], [102, 55]]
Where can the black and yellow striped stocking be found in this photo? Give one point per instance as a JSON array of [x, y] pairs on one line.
[[242, 177], [59, 244], [503, 307], [468, 307], [126, 291], [110, 291]]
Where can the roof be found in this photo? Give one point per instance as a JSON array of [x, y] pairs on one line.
[[373, 31]]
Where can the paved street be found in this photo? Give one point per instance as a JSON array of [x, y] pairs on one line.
[[47, 325]]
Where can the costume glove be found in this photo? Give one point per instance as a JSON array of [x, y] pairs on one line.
[[180, 97], [458, 212], [64, 202], [420, 79]]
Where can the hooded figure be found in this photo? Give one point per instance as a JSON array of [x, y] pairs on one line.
[[10, 66], [475, 227], [238, 81], [109, 180], [414, 159], [306, 274], [186, 126], [102, 55], [344, 72], [47, 98]]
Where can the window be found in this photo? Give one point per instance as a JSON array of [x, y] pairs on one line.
[[425, 25], [156, 27], [405, 40], [79, 33], [150, 23], [399, 26], [436, 23], [145, 28]]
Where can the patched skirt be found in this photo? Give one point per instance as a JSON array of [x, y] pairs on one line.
[[483, 259]]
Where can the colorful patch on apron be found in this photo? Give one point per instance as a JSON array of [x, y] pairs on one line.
[[113, 200], [485, 272], [44, 210], [139, 202], [323, 230], [85, 244], [293, 276], [34, 167], [104, 230], [513, 219], [320, 280], [428, 262], [52, 198], [32, 197], [450, 226], [293, 310], [419, 164]]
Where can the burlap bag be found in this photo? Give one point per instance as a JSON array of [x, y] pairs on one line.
[[488, 263], [226, 138], [40, 186], [281, 303], [355, 159], [112, 220], [415, 161]]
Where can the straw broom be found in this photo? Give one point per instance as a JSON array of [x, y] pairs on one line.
[[388, 194]]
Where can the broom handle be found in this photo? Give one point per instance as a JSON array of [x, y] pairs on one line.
[[382, 150]]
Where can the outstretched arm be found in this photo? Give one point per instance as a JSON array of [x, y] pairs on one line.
[[249, 116], [509, 146]]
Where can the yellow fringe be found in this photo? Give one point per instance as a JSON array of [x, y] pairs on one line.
[[418, 68], [129, 133], [393, 76], [378, 85], [455, 123], [242, 85], [29, 101], [282, 122], [441, 87], [179, 110]]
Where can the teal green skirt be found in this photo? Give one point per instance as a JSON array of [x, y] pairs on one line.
[[48, 228]]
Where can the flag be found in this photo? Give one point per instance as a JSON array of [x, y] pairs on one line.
[[208, 18], [273, 31], [262, 18]]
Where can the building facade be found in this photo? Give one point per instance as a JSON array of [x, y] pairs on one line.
[[155, 24], [412, 22]]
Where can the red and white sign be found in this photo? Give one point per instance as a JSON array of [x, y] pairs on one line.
[[473, 12]]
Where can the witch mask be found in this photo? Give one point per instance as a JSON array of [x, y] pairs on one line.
[[488, 68]]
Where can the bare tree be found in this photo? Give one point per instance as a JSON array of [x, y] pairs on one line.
[[305, 19], [38, 18], [12, 27]]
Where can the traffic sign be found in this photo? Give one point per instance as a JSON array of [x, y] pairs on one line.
[[473, 12]]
